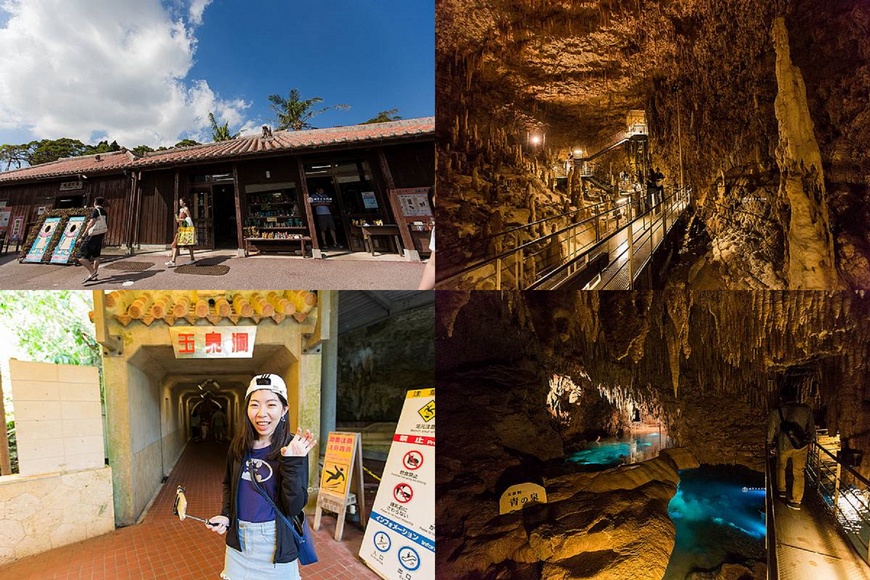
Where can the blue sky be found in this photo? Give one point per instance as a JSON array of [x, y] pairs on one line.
[[150, 71]]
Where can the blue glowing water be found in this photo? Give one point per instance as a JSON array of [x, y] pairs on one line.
[[611, 452], [719, 515]]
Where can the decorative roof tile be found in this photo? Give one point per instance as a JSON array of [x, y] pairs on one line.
[[290, 141]]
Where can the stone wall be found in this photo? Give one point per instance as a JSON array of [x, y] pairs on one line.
[[378, 364], [42, 512]]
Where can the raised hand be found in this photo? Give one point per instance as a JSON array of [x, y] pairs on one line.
[[300, 445]]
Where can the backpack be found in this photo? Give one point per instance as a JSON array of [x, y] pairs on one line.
[[795, 433]]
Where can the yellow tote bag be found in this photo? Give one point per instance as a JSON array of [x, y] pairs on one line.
[[186, 236]]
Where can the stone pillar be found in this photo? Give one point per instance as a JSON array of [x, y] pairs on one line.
[[810, 242], [119, 438], [309, 405]]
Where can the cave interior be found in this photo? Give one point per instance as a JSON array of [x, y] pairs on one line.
[[528, 380], [759, 107]]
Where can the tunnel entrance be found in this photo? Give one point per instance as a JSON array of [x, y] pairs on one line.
[[196, 358]]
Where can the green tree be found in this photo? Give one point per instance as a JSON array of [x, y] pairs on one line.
[[48, 150], [141, 150], [384, 117], [105, 147], [220, 132], [294, 112], [14, 154], [52, 325], [183, 143]]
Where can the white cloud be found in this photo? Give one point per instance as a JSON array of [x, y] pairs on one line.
[[197, 7], [118, 72]]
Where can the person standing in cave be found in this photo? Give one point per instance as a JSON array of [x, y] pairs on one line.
[[790, 446]]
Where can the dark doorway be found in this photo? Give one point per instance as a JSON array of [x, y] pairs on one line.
[[314, 183], [69, 202], [225, 227]]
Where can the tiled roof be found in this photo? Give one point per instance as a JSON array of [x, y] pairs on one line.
[[171, 306], [289, 141]]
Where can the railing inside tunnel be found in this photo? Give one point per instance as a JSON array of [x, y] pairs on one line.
[[844, 491], [551, 251]]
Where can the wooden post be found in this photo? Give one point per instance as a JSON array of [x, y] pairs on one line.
[[309, 215], [5, 466], [240, 225]]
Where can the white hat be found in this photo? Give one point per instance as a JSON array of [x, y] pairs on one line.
[[269, 382]]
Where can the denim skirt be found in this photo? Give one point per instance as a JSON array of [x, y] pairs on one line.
[[255, 560]]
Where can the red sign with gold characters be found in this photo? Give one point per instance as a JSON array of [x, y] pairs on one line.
[[213, 341]]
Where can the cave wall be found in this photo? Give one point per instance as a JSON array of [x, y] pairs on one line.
[[571, 71], [678, 354], [379, 363]]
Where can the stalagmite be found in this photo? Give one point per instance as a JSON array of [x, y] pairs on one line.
[[810, 243]]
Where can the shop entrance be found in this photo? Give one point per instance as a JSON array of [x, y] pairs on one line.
[[225, 226], [356, 200], [212, 206]]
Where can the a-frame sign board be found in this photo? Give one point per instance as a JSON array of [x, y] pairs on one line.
[[341, 481]]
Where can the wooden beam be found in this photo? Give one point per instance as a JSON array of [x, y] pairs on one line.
[[240, 224], [309, 216], [395, 208]]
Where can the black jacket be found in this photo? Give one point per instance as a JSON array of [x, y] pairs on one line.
[[293, 485]]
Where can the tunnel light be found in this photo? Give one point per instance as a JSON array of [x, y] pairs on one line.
[[535, 139], [578, 153]]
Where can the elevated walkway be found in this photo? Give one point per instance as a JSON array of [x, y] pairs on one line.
[[827, 538], [617, 239]]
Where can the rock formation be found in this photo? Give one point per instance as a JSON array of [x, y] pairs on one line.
[[778, 166], [707, 365]]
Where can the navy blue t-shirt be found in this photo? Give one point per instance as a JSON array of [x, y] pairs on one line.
[[252, 506]]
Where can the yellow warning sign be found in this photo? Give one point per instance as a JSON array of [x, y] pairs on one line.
[[427, 411], [337, 462]]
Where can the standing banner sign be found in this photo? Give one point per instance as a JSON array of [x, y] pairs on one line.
[[63, 251], [43, 240], [399, 543], [342, 461]]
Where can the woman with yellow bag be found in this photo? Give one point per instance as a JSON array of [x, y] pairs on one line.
[[186, 234]]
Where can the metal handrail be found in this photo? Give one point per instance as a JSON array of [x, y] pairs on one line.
[[845, 501], [769, 514], [577, 239]]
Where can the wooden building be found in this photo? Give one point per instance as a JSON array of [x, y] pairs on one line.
[[250, 193]]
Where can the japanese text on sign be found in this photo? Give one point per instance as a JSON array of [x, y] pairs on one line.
[[213, 342]]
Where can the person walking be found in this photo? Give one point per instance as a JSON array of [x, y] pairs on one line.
[[791, 428], [194, 425], [94, 232], [183, 219], [219, 423], [263, 457]]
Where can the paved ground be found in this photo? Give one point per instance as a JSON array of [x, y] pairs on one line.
[[161, 547], [338, 271]]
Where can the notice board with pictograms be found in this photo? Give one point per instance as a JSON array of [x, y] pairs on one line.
[[342, 461], [399, 543]]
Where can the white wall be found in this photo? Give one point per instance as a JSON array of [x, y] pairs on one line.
[[58, 420]]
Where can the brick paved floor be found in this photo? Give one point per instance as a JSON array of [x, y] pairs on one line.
[[161, 546]]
